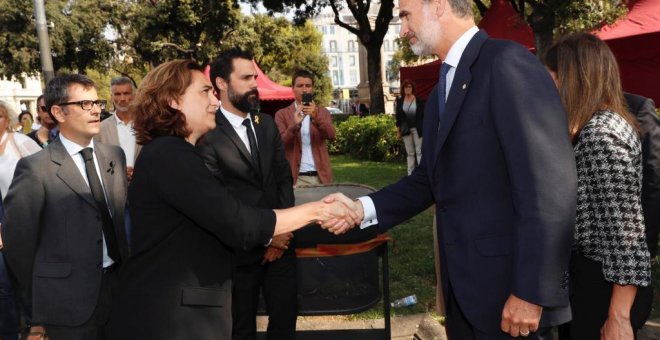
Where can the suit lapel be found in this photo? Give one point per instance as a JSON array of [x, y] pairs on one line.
[[113, 134], [459, 87], [68, 172], [228, 130], [260, 134]]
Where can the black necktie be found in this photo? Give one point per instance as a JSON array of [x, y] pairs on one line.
[[254, 150], [442, 92], [99, 197]]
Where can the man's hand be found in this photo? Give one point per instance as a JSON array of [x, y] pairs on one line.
[[519, 317], [129, 173], [310, 109], [281, 241], [341, 226], [36, 333], [299, 115], [271, 255]]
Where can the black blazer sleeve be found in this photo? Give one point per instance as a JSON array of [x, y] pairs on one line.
[[399, 115], [419, 117]]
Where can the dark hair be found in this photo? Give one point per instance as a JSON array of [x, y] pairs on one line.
[[301, 74], [407, 82], [23, 113], [223, 65], [41, 96], [57, 90], [153, 114], [589, 79]]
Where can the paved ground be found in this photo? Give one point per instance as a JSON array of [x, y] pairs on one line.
[[418, 326]]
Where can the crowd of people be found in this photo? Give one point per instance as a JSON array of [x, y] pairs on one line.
[[168, 219]]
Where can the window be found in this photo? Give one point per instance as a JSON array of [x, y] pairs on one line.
[[335, 78], [351, 60], [353, 75], [351, 46], [386, 45], [333, 61], [333, 46]]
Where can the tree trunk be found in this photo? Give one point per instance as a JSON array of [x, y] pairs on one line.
[[375, 79]]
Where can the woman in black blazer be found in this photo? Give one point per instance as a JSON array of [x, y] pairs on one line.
[[409, 117], [185, 224]]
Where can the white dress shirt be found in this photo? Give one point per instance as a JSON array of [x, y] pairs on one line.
[[452, 59], [126, 137], [306, 159], [73, 150], [236, 122]]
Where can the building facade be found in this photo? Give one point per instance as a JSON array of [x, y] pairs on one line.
[[21, 93]]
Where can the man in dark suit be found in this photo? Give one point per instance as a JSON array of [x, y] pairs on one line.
[[498, 164], [63, 228], [644, 110], [246, 152]]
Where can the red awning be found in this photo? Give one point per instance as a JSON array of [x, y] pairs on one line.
[[268, 89], [635, 41], [501, 21]]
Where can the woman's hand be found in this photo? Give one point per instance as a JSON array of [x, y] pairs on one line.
[[617, 328]]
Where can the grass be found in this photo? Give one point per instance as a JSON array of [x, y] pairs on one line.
[[411, 252]]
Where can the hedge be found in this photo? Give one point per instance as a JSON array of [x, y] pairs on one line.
[[368, 138]]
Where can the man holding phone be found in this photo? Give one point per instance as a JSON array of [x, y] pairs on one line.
[[305, 127]]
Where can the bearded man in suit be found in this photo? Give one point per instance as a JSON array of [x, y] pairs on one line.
[[63, 231], [498, 164], [245, 151]]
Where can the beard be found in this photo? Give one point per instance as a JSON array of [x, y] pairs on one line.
[[245, 102], [427, 37]]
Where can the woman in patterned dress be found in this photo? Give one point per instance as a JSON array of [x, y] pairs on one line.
[[610, 255]]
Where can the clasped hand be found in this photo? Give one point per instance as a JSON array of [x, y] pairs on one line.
[[342, 213]]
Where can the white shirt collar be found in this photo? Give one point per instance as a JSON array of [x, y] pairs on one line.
[[456, 50], [235, 120], [120, 122], [73, 148]]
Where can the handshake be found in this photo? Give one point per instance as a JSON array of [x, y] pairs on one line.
[[339, 213]]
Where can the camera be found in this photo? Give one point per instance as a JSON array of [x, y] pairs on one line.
[[307, 98]]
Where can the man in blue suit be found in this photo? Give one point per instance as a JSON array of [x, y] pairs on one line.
[[498, 164]]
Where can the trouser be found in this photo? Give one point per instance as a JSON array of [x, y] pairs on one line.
[[277, 280], [459, 328], [8, 305], [413, 144], [590, 300], [97, 327]]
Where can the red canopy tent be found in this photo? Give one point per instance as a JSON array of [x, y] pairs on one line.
[[272, 95], [635, 41], [500, 21]]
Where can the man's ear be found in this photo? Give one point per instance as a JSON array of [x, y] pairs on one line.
[[221, 84], [58, 113], [440, 7]]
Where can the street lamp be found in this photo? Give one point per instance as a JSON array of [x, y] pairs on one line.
[[44, 42]]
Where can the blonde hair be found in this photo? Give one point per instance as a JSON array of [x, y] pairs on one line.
[[10, 113]]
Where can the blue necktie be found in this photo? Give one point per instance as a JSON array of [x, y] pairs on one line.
[[442, 90]]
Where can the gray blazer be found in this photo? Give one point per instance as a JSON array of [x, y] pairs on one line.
[[108, 134], [52, 232]]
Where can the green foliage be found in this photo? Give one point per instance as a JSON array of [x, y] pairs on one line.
[[411, 251], [369, 138], [76, 37], [405, 56], [281, 48]]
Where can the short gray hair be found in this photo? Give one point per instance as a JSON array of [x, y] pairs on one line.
[[10, 112], [121, 81], [462, 8]]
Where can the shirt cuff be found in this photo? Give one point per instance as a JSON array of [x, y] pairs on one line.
[[269, 242], [369, 210]]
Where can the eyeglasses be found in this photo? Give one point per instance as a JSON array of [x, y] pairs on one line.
[[87, 104]]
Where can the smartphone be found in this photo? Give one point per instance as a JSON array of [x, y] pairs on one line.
[[307, 98]]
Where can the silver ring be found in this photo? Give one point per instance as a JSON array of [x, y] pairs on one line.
[[524, 333]]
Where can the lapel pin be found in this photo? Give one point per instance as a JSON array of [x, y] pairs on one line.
[[464, 86]]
